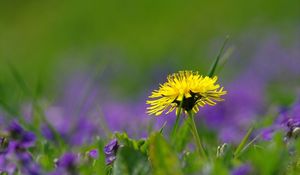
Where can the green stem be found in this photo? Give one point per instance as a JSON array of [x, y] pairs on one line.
[[174, 130], [194, 131]]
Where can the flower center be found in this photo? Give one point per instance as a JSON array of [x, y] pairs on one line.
[[189, 103]]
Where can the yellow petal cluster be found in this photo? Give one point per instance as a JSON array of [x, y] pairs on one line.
[[187, 89]]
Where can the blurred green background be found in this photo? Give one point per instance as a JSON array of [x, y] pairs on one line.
[[40, 37]]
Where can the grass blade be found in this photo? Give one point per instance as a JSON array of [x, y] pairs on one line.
[[21, 82], [216, 62], [243, 142], [163, 127], [224, 58]]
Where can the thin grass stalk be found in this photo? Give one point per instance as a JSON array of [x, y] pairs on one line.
[[214, 66]]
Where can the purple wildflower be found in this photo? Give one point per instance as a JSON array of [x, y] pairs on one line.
[[288, 121], [25, 139], [28, 139], [33, 169], [17, 151], [75, 114], [94, 153], [67, 161], [131, 118], [46, 132], [15, 130], [267, 133], [8, 168], [292, 126], [242, 170], [25, 158], [110, 151], [246, 93], [241, 106]]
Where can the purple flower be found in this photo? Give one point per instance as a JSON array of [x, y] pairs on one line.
[[28, 139], [46, 132], [131, 117], [267, 133], [24, 139], [242, 170], [32, 169], [68, 161], [15, 130], [242, 104], [16, 151], [268, 61], [94, 153], [8, 168], [75, 113], [25, 158], [110, 151], [292, 126], [111, 147], [288, 121]]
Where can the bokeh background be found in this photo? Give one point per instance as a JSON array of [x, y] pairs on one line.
[[113, 53]]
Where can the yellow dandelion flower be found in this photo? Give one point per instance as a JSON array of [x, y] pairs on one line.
[[185, 88]]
